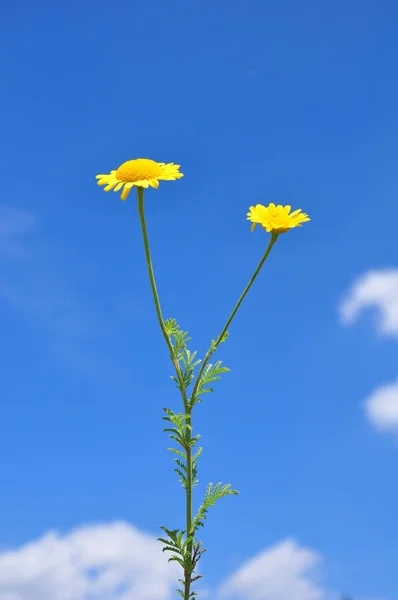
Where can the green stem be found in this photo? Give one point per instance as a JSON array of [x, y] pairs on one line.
[[187, 408], [211, 350], [228, 322], [140, 194], [188, 509]]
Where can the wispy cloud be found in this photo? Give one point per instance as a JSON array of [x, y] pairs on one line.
[[30, 283], [376, 289], [381, 407], [14, 224]]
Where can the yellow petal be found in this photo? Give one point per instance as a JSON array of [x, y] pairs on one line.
[[110, 186], [125, 192]]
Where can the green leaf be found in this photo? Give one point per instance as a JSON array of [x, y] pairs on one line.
[[198, 453], [164, 541], [177, 559], [177, 337], [172, 533], [179, 452], [186, 359], [194, 466], [177, 419], [182, 478], [172, 430], [194, 440], [210, 374], [224, 337], [169, 549], [180, 464], [213, 493], [170, 326], [189, 365]]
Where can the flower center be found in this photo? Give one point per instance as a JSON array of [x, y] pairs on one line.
[[139, 169]]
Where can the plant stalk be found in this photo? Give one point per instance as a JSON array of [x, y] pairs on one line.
[[140, 194], [187, 407], [188, 508], [228, 322]]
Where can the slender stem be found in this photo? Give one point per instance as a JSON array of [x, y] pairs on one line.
[[140, 194], [188, 507], [228, 322], [187, 408], [211, 350]]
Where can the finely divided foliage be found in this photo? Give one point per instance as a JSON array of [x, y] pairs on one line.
[[183, 546]]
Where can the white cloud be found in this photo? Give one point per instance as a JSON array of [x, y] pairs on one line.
[[377, 289], [282, 572], [103, 562], [381, 407], [118, 562], [374, 289]]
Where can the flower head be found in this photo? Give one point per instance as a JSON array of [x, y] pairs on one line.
[[141, 172], [276, 219]]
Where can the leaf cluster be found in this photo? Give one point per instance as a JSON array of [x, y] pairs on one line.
[[187, 362], [178, 545], [184, 548], [181, 433], [210, 374]]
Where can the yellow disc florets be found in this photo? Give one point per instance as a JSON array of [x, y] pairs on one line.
[[139, 169]]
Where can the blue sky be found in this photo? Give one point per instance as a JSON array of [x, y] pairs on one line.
[[259, 101]]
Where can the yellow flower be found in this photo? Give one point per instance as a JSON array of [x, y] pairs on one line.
[[141, 172], [276, 219]]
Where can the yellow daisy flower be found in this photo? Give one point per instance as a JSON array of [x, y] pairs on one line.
[[276, 219], [141, 172]]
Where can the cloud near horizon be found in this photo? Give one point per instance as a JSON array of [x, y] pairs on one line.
[[117, 561], [282, 572]]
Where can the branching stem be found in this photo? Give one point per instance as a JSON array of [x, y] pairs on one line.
[[189, 403], [228, 322]]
